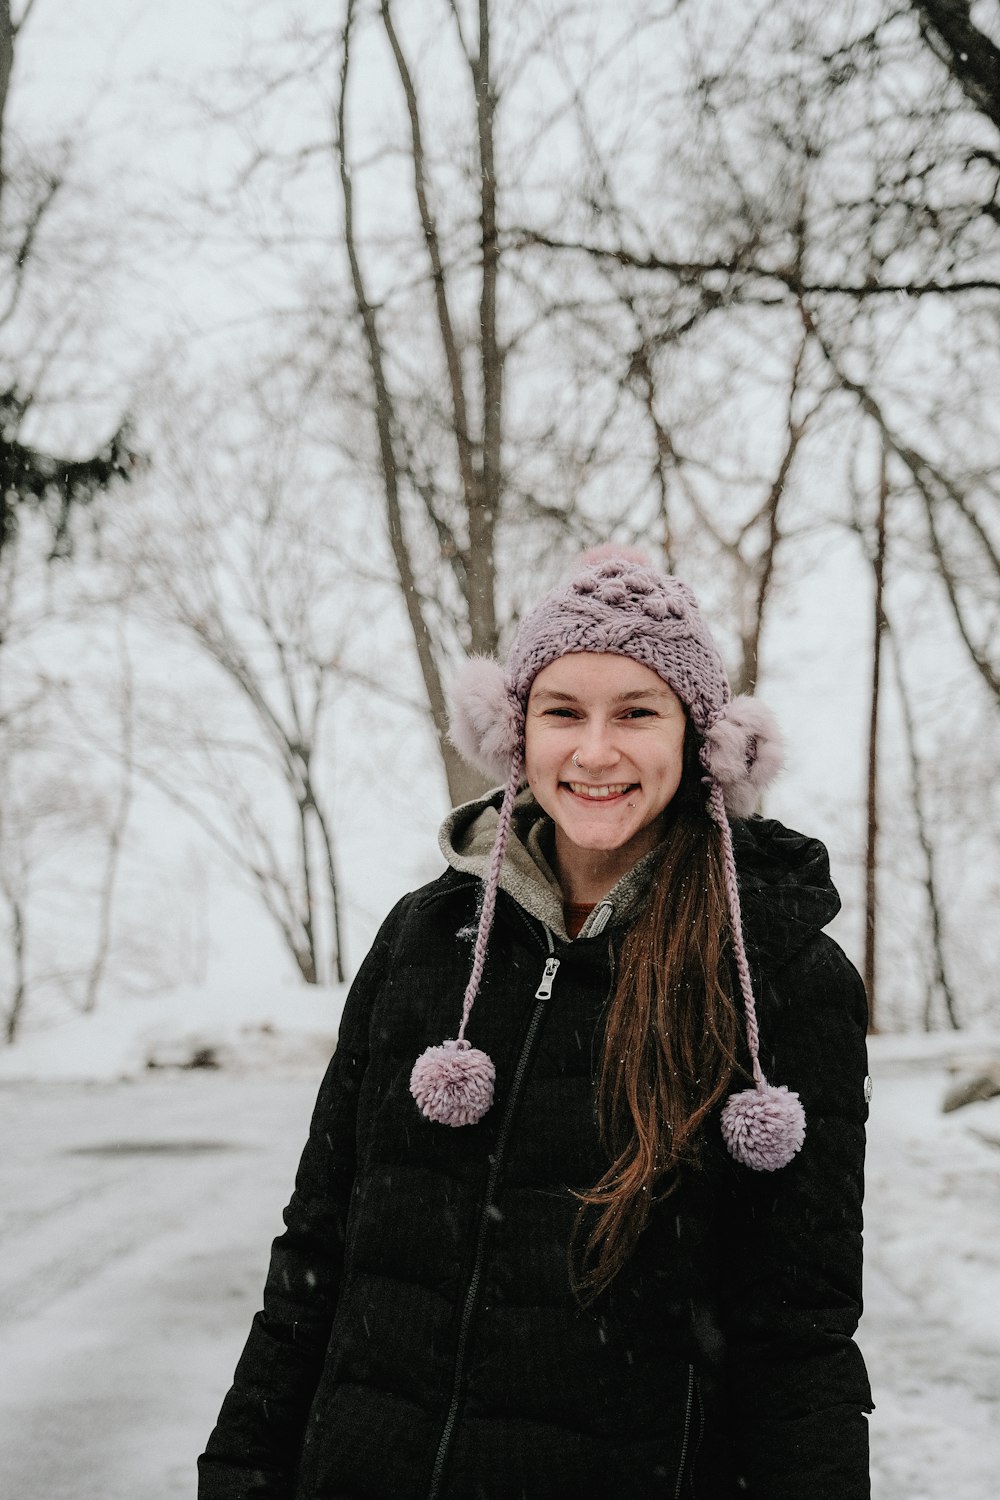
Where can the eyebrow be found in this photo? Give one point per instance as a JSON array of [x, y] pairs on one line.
[[552, 696]]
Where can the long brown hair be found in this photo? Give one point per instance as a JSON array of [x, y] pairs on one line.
[[670, 1039]]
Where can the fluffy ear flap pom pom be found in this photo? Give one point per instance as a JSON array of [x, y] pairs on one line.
[[453, 1083], [764, 1127], [484, 723], [743, 751]]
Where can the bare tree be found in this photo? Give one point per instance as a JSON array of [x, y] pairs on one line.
[[440, 315], [837, 258], [54, 829], [32, 476], [120, 814], [553, 298], [939, 981], [475, 418], [878, 226], [242, 574]]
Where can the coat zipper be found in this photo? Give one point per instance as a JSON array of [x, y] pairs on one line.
[[542, 995], [685, 1441]]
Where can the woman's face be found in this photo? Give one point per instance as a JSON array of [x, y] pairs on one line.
[[625, 727]]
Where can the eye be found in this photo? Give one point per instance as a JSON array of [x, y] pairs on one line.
[[559, 713], [639, 713]]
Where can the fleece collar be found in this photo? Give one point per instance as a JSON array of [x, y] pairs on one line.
[[466, 840]]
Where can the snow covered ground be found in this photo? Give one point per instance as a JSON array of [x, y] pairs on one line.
[[138, 1208], [931, 1330]]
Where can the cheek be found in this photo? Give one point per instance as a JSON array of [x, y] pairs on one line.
[[530, 752], [673, 765], [535, 759]]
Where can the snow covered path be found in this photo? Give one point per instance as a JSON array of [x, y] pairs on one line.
[[127, 1280], [128, 1277], [931, 1330]]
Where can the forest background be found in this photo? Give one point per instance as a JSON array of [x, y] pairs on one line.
[[330, 337]]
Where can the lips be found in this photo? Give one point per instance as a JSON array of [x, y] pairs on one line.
[[600, 793]]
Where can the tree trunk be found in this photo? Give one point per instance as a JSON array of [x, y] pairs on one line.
[[311, 973], [871, 850], [20, 990], [484, 509], [749, 671], [338, 960], [972, 59], [940, 975], [6, 67], [116, 835], [463, 783]]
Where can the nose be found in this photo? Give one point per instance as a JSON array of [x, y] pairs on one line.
[[596, 751]]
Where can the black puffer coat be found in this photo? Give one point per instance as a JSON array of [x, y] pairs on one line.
[[419, 1338]]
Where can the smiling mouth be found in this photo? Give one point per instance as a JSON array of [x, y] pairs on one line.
[[601, 793]]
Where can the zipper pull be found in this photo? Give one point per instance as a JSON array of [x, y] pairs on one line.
[[544, 989]]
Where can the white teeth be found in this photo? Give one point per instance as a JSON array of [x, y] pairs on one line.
[[599, 791]]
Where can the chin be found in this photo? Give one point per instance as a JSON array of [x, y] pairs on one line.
[[601, 839]]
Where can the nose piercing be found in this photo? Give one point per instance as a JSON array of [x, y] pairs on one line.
[[589, 770], [581, 767]]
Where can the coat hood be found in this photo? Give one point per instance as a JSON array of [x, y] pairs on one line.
[[786, 892]]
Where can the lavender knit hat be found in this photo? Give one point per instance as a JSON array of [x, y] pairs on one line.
[[617, 603]]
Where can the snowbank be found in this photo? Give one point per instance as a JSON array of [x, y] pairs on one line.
[[910, 1051], [931, 1329], [240, 1030]]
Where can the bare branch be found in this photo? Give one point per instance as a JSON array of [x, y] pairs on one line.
[[979, 658], [926, 477], [449, 342], [460, 28], [26, 10], [742, 271], [21, 258], [769, 514]]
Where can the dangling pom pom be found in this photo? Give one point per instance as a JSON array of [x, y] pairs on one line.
[[743, 751], [764, 1128], [484, 724], [453, 1083]]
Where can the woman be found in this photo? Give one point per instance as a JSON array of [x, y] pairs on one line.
[[583, 1247]]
